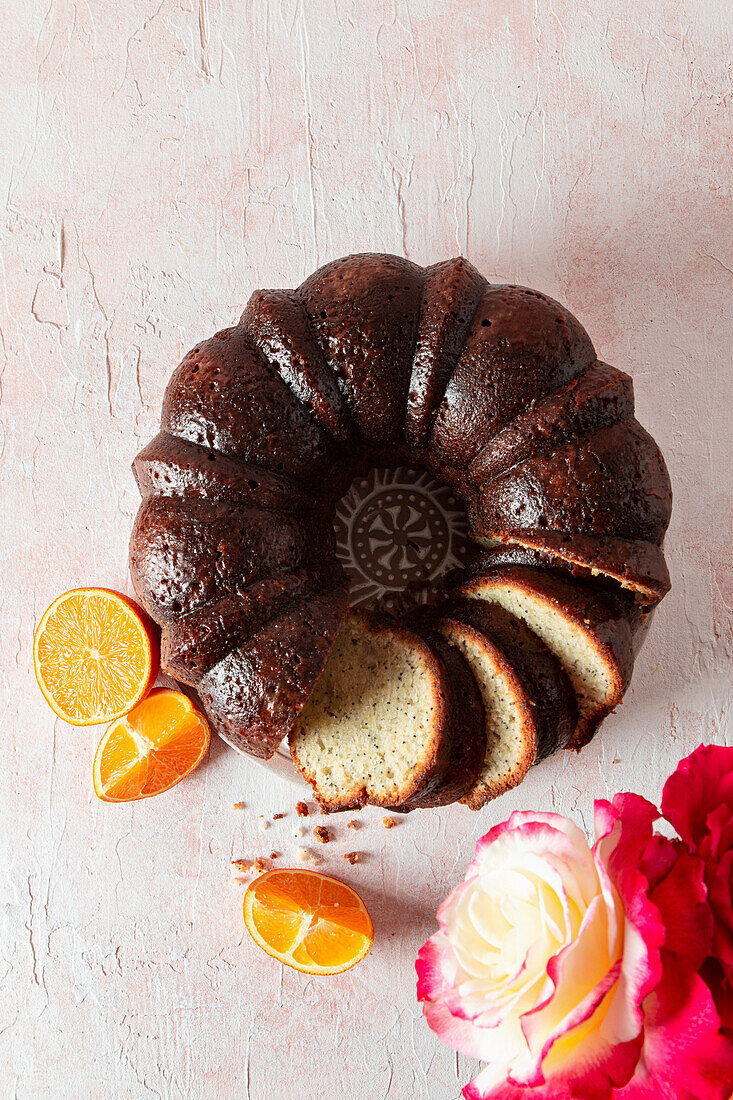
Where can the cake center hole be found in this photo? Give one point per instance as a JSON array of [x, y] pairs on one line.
[[398, 531]]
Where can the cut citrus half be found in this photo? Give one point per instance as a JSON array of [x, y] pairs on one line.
[[95, 654], [150, 749], [307, 920]]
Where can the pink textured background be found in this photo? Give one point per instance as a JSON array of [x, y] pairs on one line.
[[161, 158]]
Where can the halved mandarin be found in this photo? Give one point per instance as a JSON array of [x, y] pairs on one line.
[[308, 921], [150, 749], [95, 654]]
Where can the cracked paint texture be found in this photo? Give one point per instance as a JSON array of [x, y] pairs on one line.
[[162, 158]]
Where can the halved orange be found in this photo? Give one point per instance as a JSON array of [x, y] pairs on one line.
[[150, 749], [307, 920], [95, 654]]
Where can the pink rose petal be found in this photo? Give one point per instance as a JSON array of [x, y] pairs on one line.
[[684, 1057], [702, 781]]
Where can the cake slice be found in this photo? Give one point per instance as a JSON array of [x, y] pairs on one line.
[[637, 567], [385, 724], [592, 633], [529, 703]]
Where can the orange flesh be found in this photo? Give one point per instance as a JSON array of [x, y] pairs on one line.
[[309, 921], [95, 655], [150, 749]]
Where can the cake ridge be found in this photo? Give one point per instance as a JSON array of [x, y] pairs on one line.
[[361, 337], [575, 409], [270, 318], [225, 395], [192, 560], [241, 615], [278, 486], [436, 354], [522, 345], [599, 481], [255, 708]]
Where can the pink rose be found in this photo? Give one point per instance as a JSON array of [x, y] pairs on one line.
[[698, 801], [573, 971]]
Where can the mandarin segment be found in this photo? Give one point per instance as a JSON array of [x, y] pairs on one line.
[[308, 921], [95, 655], [151, 749]]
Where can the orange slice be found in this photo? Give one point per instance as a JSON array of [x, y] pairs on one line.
[[151, 749], [95, 655], [307, 920]]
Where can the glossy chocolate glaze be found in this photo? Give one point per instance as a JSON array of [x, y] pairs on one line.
[[186, 554], [365, 311], [193, 645], [255, 694], [278, 324], [169, 465], [613, 481], [599, 396], [453, 290], [522, 346], [226, 397]]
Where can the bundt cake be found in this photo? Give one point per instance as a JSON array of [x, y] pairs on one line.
[[376, 362]]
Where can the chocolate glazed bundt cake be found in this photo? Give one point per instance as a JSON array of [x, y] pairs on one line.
[[496, 391]]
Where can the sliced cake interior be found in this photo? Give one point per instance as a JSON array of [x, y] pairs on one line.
[[589, 633], [511, 738], [376, 727]]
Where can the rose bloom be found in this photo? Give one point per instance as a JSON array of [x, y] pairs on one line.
[[698, 801], [573, 971]]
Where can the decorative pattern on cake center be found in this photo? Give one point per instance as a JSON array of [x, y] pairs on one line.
[[396, 532]]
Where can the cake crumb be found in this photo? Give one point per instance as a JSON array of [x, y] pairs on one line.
[[278, 817], [389, 822], [239, 806], [353, 857], [322, 834], [263, 823], [301, 809], [304, 855], [352, 825], [260, 865], [274, 855], [237, 868], [299, 831]]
